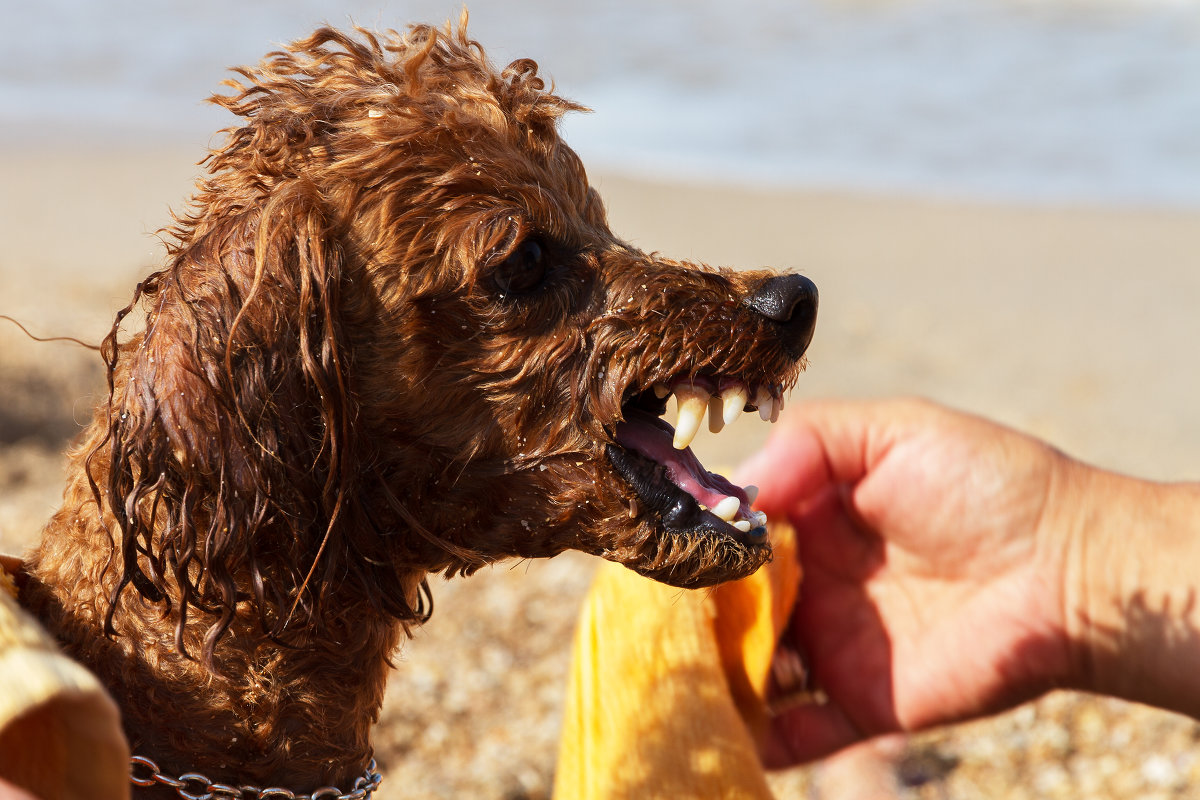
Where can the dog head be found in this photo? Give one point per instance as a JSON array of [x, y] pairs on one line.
[[397, 336]]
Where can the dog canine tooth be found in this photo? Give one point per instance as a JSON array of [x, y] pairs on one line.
[[716, 417], [733, 401], [692, 405], [751, 493], [727, 509]]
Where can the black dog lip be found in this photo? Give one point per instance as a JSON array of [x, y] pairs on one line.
[[678, 510]]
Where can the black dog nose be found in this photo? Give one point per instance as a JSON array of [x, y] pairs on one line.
[[791, 301]]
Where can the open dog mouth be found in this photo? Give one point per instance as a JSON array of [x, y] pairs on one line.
[[656, 461]]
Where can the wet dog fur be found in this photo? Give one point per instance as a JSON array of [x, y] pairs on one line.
[[394, 337]]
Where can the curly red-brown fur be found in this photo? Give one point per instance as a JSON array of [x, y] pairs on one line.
[[345, 382]]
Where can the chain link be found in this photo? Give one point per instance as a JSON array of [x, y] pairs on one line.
[[194, 786]]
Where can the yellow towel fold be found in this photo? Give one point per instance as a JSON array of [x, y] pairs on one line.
[[666, 696]]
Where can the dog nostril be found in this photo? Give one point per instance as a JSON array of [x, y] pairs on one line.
[[778, 298], [791, 301]]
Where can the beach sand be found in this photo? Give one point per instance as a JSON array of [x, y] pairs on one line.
[[1071, 323]]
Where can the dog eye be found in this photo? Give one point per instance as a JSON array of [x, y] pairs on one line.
[[523, 269]]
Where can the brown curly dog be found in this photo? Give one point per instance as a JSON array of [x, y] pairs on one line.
[[394, 337]]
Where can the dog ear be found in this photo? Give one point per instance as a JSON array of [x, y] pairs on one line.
[[231, 457]]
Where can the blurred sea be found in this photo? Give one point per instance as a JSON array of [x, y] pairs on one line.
[[1045, 101]]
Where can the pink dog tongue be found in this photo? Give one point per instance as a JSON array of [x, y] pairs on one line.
[[652, 437]]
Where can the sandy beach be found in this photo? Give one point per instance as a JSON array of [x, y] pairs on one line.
[[1076, 324]]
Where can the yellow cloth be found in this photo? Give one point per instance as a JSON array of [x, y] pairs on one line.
[[667, 686], [60, 732]]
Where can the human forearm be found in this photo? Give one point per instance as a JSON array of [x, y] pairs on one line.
[[1133, 576]]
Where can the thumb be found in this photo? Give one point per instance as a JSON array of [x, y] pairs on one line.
[[815, 445], [789, 469]]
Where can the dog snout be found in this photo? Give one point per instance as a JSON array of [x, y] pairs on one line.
[[790, 301]]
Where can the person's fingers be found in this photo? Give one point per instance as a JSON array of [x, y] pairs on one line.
[[805, 733], [789, 469], [817, 444]]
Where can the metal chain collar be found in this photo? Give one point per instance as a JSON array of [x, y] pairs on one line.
[[194, 786]]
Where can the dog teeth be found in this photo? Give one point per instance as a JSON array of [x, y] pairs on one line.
[[733, 401], [727, 407], [727, 509], [756, 519], [766, 404], [692, 406], [716, 419]]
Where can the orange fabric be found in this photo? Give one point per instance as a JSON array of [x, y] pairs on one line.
[[667, 688]]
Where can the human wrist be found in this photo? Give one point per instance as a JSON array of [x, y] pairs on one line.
[[1130, 607]]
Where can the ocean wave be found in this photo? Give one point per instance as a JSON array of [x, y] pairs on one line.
[[1072, 101]]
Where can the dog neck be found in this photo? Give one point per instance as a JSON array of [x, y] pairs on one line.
[[265, 713]]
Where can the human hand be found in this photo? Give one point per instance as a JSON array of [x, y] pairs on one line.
[[934, 567], [10, 792]]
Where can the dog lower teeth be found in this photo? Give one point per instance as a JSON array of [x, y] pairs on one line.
[[668, 447], [727, 509]]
